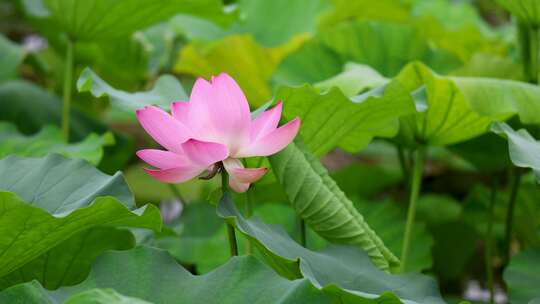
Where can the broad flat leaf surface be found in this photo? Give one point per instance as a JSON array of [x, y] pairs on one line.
[[11, 56], [355, 79], [524, 149], [252, 73], [382, 10], [28, 231], [522, 276], [344, 271], [318, 200], [275, 22], [526, 10], [60, 185], [498, 98], [31, 107], [386, 47], [330, 119], [50, 140], [69, 262], [100, 19], [459, 109], [166, 89], [52, 199], [34, 293], [153, 275]]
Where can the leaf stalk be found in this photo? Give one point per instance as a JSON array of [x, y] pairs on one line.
[[231, 235], [68, 79], [415, 191]]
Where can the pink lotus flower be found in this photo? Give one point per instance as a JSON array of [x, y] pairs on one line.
[[213, 129]]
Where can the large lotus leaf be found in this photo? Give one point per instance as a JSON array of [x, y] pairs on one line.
[[153, 275], [29, 231], [34, 293], [459, 109], [53, 199], [524, 149], [160, 40], [458, 28], [490, 66], [60, 185], [31, 107], [526, 10], [69, 262], [275, 22], [343, 270], [318, 200], [252, 73], [50, 140], [166, 89], [522, 276], [10, 56], [382, 10], [324, 56], [99, 19], [123, 62], [498, 98], [331, 119], [355, 79]]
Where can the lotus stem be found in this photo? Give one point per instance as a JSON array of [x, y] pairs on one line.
[[516, 180], [489, 242], [534, 48], [176, 193], [249, 213], [230, 229], [403, 164], [303, 240], [529, 45], [68, 78], [415, 191]]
